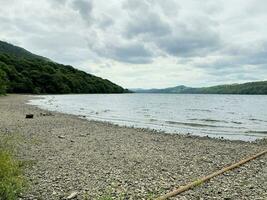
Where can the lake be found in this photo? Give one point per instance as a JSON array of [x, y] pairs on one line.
[[234, 117]]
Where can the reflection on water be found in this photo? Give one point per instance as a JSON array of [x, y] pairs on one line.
[[241, 117]]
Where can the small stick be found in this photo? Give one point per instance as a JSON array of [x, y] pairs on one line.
[[206, 178]]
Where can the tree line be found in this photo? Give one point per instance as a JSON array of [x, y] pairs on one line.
[[25, 74]]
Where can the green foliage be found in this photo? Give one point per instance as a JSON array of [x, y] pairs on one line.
[[105, 197], [11, 179], [27, 73], [259, 87], [3, 82], [17, 51], [246, 88]]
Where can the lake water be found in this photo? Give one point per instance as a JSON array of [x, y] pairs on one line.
[[235, 117]]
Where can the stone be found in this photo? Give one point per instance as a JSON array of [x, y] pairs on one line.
[[72, 195], [46, 114], [29, 116]]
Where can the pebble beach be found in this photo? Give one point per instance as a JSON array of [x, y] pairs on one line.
[[102, 161]]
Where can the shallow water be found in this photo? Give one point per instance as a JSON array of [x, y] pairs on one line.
[[235, 117]]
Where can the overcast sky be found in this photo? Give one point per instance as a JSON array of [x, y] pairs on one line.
[[145, 43]]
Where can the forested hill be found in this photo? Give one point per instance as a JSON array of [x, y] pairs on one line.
[[6, 48], [24, 72], [259, 87]]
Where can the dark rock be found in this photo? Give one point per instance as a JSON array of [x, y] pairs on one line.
[[29, 116]]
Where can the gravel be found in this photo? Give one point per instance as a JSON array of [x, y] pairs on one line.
[[96, 160]]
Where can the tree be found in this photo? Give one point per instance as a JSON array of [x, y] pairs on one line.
[[3, 82], [24, 72]]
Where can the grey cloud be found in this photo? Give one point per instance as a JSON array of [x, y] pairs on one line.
[[181, 42], [236, 58], [25, 27], [58, 3], [223, 40], [212, 7], [59, 46], [105, 22], [134, 53], [132, 5], [244, 64], [257, 57], [234, 74], [169, 8], [249, 76], [189, 44], [106, 65], [176, 38], [149, 24], [84, 7], [258, 8], [144, 19]]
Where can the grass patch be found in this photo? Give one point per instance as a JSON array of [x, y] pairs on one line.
[[11, 179], [106, 197]]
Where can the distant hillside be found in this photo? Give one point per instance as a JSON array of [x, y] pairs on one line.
[[6, 48], [177, 89], [245, 88], [24, 72]]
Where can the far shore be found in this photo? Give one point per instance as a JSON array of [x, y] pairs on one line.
[[100, 160]]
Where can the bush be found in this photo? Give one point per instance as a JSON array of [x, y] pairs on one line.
[[11, 179], [3, 81]]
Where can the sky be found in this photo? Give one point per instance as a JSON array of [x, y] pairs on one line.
[[145, 43]]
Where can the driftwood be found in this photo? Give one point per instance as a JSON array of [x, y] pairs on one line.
[[206, 178]]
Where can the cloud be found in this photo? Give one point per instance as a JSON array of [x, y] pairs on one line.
[[237, 57], [187, 43], [84, 7], [151, 25], [146, 43], [194, 37], [59, 2], [130, 52], [105, 22]]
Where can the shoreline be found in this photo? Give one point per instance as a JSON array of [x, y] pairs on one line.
[[149, 130], [102, 159], [246, 136]]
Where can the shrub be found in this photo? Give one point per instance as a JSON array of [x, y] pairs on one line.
[[11, 179]]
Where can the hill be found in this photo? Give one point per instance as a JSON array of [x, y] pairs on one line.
[[177, 89], [6, 48], [259, 87], [24, 72]]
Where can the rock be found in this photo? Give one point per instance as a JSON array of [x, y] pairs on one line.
[[29, 116], [46, 114], [125, 163], [82, 135], [72, 195]]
